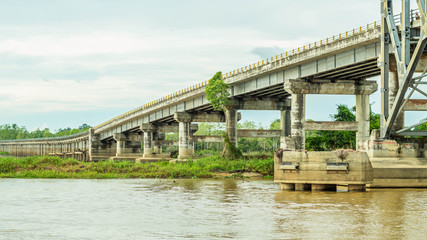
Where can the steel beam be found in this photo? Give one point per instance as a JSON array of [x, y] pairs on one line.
[[406, 32], [407, 81], [384, 62]]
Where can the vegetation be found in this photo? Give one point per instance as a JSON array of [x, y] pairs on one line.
[[217, 92], [230, 151], [55, 167], [13, 131], [4, 153], [331, 140], [422, 127]]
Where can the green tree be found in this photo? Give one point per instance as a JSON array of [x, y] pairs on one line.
[[217, 92], [422, 127]]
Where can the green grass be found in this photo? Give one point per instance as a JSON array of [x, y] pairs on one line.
[[4, 153], [55, 167]]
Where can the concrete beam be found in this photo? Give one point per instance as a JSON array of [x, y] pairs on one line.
[[338, 87], [207, 139], [330, 126], [202, 116], [258, 133], [132, 137], [416, 105], [263, 104], [174, 128], [167, 143]]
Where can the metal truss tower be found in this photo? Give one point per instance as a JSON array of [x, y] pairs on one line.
[[398, 63]]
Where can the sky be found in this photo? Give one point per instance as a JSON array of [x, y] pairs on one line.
[[64, 63]]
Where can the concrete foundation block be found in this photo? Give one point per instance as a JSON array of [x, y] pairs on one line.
[[302, 186], [356, 187], [322, 170], [287, 186]]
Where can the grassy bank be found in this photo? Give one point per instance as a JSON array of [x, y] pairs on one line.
[[55, 167], [4, 153]]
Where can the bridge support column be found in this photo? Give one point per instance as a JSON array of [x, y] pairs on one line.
[[285, 129], [362, 118], [127, 145], [121, 143], [148, 130], [158, 136], [185, 147], [392, 93], [298, 121], [231, 118]]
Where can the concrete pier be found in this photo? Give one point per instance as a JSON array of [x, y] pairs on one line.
[[148, 130], [185, 147], [319, 171], [363, 120], [298, 121], [231, 118]]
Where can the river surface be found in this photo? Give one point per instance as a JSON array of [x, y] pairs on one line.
[[203, 209]]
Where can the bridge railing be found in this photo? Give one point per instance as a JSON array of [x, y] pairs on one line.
[[77, 135], [320, 43]]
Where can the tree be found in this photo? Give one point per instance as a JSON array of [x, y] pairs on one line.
[[217, 92], [422, 127]]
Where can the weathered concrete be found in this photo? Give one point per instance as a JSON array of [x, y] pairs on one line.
[[338, 87], [331, 126], [250, 133], [363, 120], [231, 123], [322, 170], [298, 121], [148, 130], [401, 163], [416, 105], [128, 145], [263, 104], [185, 147], [157, 137]]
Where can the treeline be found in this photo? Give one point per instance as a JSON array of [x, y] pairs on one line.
[[13, 131]]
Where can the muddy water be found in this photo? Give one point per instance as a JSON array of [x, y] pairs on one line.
[[203, 209]]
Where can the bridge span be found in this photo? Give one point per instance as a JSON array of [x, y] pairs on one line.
[[338, 65]]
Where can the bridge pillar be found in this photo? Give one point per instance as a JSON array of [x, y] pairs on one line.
[[127, 145], [185, 147], [121, 143], [285, 129], [158, 136], [298, 121], [148, 130], [362, 118], [392, 93], [231, 118]]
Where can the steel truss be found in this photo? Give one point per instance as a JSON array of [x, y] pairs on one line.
[[406, 64]]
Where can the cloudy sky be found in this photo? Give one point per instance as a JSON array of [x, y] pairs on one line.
[[64, 63]]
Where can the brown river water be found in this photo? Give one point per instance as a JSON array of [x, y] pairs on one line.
[[203, 209]]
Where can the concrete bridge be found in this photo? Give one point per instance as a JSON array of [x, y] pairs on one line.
[[338, 65]]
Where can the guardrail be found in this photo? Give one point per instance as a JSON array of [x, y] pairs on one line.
[[82, 134]]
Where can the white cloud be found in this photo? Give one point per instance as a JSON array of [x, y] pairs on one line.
[[76, 45]]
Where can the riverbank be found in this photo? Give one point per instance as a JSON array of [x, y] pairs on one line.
[[207, 167]]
